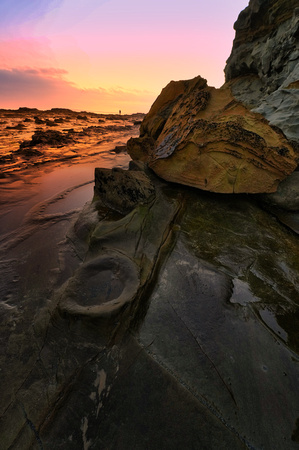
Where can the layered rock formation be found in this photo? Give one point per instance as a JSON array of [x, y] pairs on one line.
[[202, 137], [263, 72], [264, 63]]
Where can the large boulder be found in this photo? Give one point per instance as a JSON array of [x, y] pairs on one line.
[[203, 137]]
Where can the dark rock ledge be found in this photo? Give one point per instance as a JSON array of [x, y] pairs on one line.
[[177, 329]]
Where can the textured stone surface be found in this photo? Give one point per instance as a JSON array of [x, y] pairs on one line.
[[173, 326], [123, 190], [264, 63], [267, 28], [260, 18], [287, 194], [202, 137], [101, 287], [263, 73], [198, 352]]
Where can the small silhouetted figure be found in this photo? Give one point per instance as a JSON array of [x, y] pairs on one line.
[[119, 112]]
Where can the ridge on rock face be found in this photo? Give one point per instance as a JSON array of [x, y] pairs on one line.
[[200, 136], [262, 17], [263, 68]]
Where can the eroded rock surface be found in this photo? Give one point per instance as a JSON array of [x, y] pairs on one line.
[[263, 67], [123, 190], [202, 137], [287, 194]]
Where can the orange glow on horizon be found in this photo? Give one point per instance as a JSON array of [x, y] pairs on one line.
[[107, 57]]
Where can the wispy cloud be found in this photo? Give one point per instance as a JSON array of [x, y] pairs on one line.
[[46, 72]]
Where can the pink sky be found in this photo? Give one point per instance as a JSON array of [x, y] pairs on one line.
[[106, 55]]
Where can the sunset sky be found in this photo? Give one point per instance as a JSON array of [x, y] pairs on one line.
[[106, 55]]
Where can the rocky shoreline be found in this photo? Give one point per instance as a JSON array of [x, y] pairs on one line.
[[30, 137]]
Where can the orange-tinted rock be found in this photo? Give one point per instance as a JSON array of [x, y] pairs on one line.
[[200, 136]]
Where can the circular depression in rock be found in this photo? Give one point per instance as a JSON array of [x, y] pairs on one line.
[[101, 286]]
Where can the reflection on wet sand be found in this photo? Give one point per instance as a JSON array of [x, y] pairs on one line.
[[49, 169], [30, 137]]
